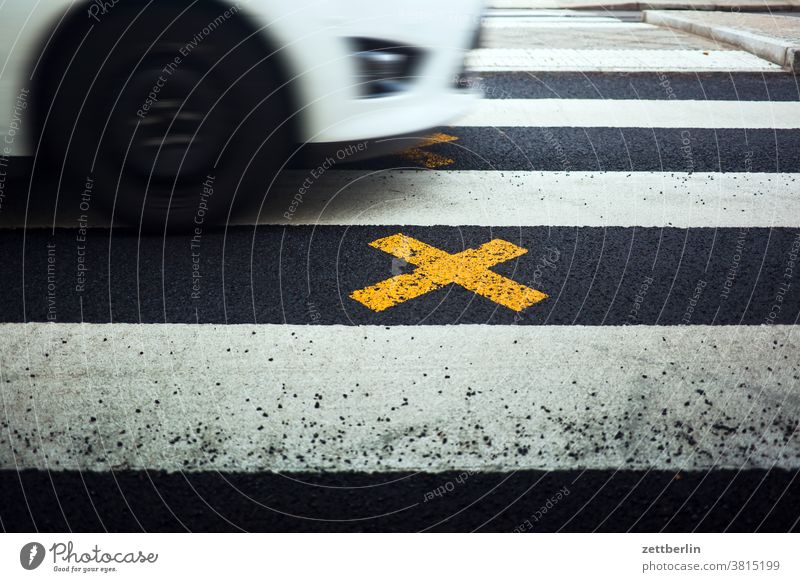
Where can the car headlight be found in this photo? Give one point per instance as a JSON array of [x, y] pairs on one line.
[[383, 68]]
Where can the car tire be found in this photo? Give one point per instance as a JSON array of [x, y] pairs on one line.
[[176, 112]]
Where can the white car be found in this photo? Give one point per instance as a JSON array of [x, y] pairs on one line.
[[167, 108]]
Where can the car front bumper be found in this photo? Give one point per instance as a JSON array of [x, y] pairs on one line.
[[315, 40]]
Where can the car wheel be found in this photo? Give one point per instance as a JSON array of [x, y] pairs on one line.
[[176, 111]]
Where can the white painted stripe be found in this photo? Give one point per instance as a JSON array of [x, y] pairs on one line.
[[559, 21], [600, 24], [611, 60], [319, 398], [456, 198], [633, 113], [494, 198], [525, 13], [525, 5]]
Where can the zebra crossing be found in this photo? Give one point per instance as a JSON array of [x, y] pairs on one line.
[[568, 41], [232, 382]]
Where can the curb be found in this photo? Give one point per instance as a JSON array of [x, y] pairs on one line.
[[638, 6], [780, 52]]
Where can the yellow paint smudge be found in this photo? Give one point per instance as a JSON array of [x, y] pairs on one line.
[[427, 159]]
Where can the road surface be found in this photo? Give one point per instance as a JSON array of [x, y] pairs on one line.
[[573, 310]]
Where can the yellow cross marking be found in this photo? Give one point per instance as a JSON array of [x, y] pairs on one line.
[[436, 268], [429, 159]]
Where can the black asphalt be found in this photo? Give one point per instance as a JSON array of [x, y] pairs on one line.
[[573, 501], [659, 86], [595, 149], [303, 275], [588, 149], [270, 274]]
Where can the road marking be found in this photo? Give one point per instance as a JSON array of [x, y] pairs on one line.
[[436, 269], [428, 159], [633, 113], [492, 198], [495, 198], [517, 12], [598, 23], [566, 21], [611, 60], [404, 398]]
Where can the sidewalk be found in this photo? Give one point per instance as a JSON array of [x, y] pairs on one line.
[[721, 5], [774, 38]]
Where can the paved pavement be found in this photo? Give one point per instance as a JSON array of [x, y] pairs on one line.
[[525, 40], [773, 37], [623, 353], [616, 5], [586, 33]]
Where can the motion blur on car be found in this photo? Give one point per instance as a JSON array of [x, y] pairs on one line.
[[170, 105]]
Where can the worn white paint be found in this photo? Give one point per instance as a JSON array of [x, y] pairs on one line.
[[633, 113], [620, 60], [495, 198], [334, 398]]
